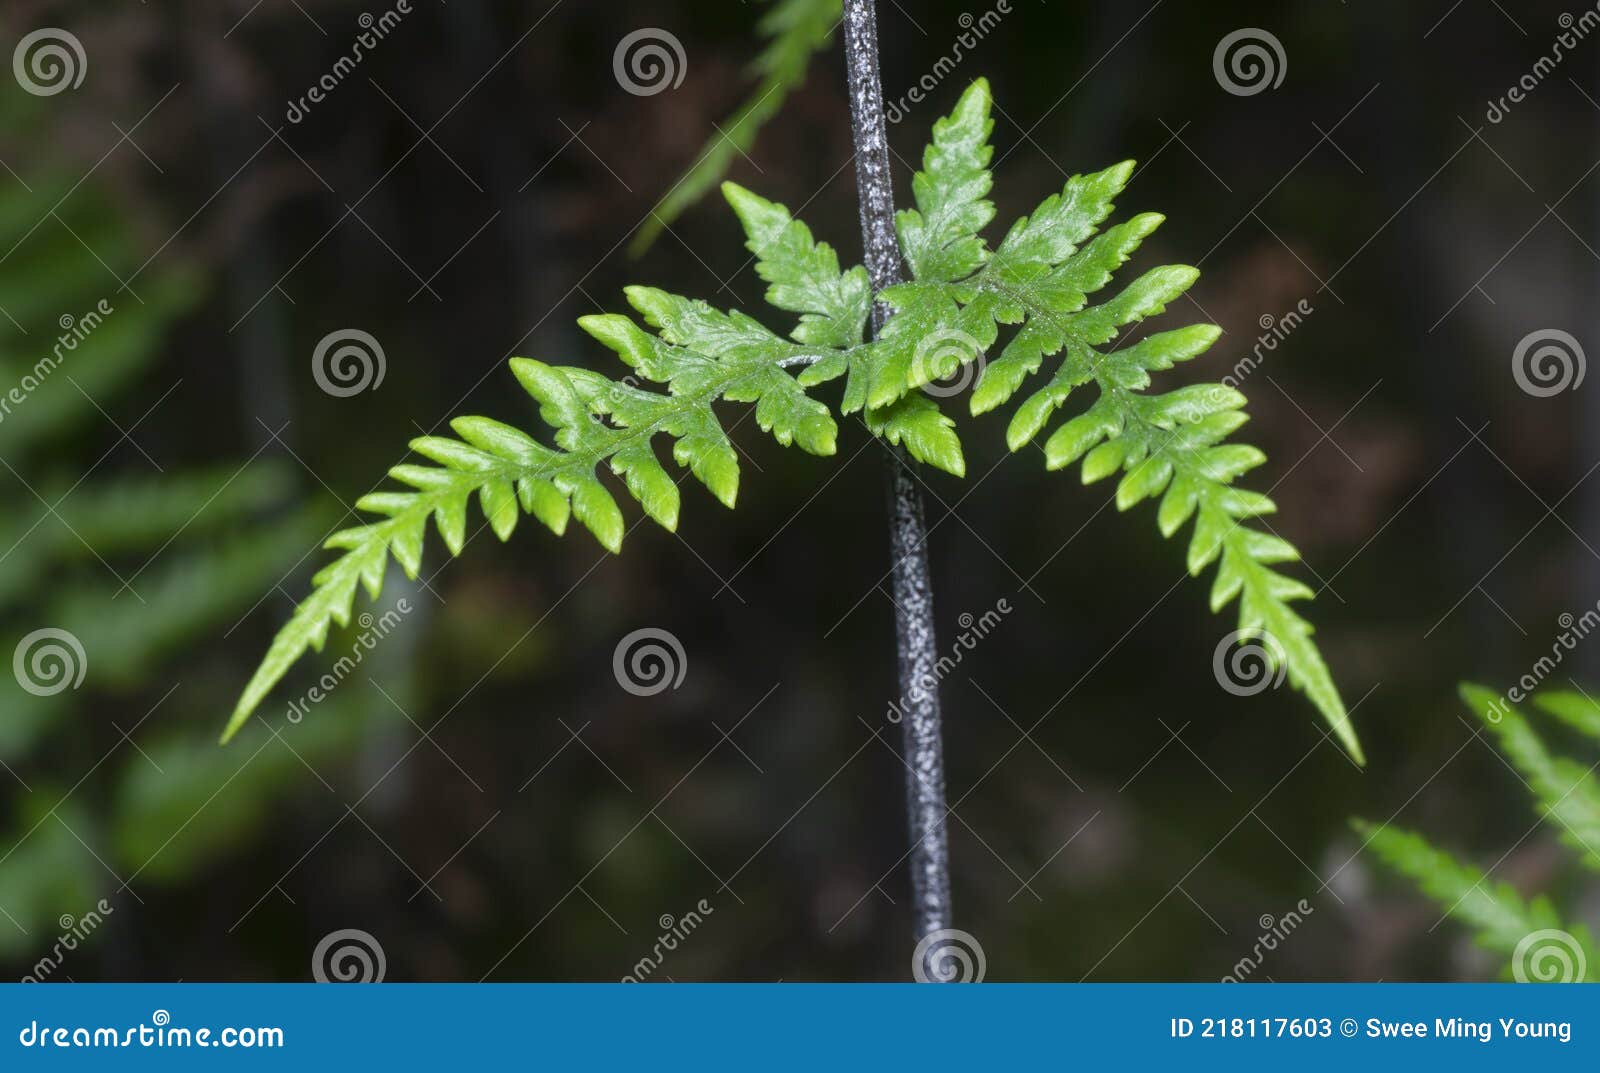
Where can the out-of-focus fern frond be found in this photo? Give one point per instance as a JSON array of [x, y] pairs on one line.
[[1566, 791], [72, 521], [1543, 944], [1499, 917], [196, 547], [179, 598], [1577, 710], [159, 828], [797, 29], [46, 872]]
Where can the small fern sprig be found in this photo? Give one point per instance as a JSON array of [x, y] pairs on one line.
[[595, 420], [1169, 445]]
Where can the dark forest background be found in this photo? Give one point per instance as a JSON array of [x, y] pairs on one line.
[[484, 799]]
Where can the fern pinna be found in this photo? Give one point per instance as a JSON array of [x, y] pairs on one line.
[[1540, 943], [961, 292]]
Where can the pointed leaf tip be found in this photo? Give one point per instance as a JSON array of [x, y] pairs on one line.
[[741, 198]]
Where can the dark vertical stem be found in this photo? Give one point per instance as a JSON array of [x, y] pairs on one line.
[[908, 537]]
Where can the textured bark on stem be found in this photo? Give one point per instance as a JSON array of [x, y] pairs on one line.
[[908, 538]]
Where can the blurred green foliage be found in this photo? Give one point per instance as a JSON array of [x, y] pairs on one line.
[[1566, 793], [139, 569], [796, 30]]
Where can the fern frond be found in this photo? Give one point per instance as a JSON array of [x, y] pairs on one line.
[[1039, 278], [798, 29], [700, 354], [1498, 915], [1565, 790], [124, 514], [182, 596]]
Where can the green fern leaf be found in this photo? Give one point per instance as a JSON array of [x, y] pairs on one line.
[[1566, 790], [916, 423], [804, 274], [1498, 915], [700, 354], [940, 237]]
